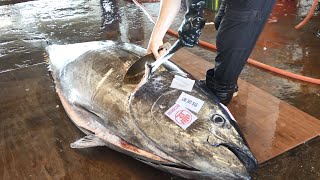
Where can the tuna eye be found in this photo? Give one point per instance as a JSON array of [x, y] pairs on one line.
[[219, 120]]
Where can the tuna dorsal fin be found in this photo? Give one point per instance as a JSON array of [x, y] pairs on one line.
[[88, 141]]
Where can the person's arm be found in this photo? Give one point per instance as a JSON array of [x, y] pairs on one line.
[[168, 11], [189, 30]]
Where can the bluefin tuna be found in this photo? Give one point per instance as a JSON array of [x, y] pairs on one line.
[[130, 118]]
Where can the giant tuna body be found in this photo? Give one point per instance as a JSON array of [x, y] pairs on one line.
[[130, 118]]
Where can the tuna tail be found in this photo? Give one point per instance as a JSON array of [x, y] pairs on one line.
[[88, 141]]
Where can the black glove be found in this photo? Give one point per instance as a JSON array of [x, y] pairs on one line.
[[193, 22], [220, 14]]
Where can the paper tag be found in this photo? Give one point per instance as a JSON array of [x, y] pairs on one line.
[[190, 102], [182, 83], [181, 116]]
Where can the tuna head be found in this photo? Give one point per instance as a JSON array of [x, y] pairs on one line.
[[223, 133], [212, 144], [226, 132]]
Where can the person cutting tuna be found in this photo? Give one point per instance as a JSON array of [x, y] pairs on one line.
[[239, 24]]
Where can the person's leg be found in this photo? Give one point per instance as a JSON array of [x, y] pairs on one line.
[[237, 34], [219, 15]]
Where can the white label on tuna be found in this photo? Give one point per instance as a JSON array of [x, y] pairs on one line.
[[181, 116], [190, 102], [182, 83]]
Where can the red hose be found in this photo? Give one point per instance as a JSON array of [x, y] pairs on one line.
[[284, 73], [309, 15], [213, 48]]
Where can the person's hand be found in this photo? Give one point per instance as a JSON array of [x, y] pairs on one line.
[[190, 29], [155, 47]]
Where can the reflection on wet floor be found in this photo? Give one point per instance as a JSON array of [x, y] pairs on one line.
[[27, 28], [293, 50], [30, 106]]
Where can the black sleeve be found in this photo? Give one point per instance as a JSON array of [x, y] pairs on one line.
[[193, 22]]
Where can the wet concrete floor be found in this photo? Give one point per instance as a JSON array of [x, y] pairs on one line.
[[32, 119]]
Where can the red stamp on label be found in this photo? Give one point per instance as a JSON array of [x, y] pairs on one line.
[[183, 117]]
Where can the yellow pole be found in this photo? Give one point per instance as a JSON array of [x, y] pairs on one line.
[[216, 5]]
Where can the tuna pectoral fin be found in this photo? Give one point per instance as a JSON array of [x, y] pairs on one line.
[[88, 141]]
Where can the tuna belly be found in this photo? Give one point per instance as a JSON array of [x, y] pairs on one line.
[[93, 95], [94, 82], [89, 124]]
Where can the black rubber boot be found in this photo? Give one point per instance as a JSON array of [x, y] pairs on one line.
[[224, 91]]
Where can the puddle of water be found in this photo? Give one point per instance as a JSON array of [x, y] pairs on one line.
[[29, 27]]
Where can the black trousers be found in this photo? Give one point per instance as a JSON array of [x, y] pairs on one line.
[[241, 25]]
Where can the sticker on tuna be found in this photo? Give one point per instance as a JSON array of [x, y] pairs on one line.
[[181, 116], [190, 102], [182, 83]]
